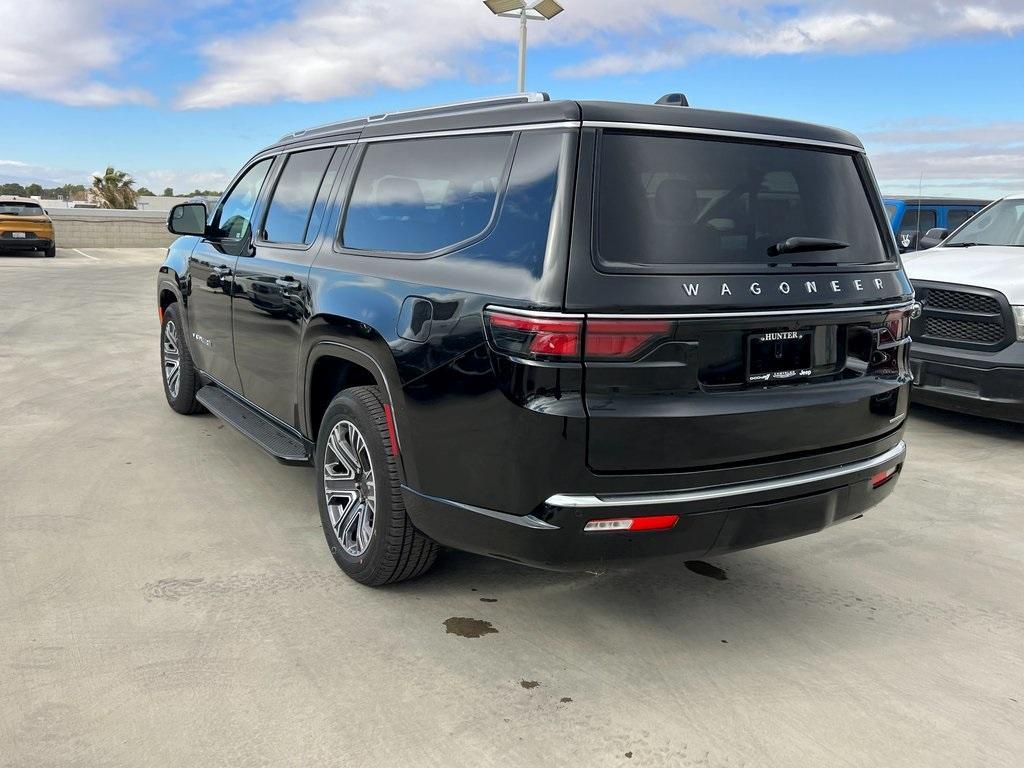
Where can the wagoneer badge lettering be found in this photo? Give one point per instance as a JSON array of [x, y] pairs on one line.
[[791, 290]]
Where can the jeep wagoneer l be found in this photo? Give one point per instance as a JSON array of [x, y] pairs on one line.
[[556, 332]]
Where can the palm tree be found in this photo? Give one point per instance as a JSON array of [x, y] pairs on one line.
[[114, 189]]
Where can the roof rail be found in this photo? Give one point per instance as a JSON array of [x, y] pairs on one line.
[[408, 114]]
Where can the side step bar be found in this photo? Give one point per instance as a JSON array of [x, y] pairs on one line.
[[272, 438]]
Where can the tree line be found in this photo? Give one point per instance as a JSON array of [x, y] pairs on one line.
[[111, 189]]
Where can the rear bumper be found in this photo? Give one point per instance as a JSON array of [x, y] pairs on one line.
[[712, 520], [981, 384], [28, 244]]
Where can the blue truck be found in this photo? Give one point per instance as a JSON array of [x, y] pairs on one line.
[[912, 217]]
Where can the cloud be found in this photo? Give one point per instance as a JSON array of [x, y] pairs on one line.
[[341, 48], [947, 158], [54, 50], [805, 26]]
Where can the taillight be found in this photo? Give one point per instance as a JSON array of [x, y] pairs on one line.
[[622, 339], [653, 523], [567, 337], [897, 327], [540, 337], [881, 478]]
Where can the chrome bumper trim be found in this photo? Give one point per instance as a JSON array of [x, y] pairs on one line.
[[577, 501]]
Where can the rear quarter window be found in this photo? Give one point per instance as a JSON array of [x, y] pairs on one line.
[[669, 202], [419, 196]]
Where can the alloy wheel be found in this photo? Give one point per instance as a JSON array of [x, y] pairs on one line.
[[172, 359], [349, 488]]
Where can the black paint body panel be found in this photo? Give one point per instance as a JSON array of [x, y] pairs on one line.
[[476, 427]]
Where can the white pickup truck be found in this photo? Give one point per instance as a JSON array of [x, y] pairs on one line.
[[968, 350]]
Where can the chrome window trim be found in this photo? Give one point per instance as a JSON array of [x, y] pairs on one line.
[[554, 314], [470, 131], [659, 128], [755, 313], [586, 501]]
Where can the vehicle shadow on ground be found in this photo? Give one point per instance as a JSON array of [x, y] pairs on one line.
[[759, 592], [979, 425]]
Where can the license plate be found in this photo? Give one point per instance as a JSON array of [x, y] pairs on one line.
[[18, 234], [779, 356]]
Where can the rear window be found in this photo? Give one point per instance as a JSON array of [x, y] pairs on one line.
[[671, 201], [423, 195], [20, 209]]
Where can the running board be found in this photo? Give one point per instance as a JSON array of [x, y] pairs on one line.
[[272, 438]]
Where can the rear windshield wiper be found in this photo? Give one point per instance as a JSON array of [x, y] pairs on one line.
[[801, 244]]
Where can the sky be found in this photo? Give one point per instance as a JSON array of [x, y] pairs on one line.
[[181, 92]]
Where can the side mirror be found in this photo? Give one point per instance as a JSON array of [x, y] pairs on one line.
[[933, 237], [187, 219]]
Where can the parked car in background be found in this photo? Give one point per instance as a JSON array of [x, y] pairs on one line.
[[560, 333], [912, 217], [968, 351], [25, 226]]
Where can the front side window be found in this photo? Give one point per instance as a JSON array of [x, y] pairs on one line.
[[999, 224], [233, 219], [288, 216], [665, 202], [422, 195]]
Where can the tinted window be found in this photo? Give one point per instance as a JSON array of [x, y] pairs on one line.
[[422, 195], [288, 215], [680, 200], [915, 222], [890, 212], [234, 216], [999, 224], [957, 216], [20, 209]]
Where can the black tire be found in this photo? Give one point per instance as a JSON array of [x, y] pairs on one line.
[[50, 252], [172, 334], [396, 551]]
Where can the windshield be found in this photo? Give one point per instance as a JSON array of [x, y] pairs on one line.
[[20, 209], [999, 224], [666, 202]]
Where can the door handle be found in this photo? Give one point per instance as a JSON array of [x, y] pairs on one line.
[[222, 270], [288, 282]]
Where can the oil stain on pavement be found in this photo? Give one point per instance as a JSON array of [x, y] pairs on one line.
[[706, 569], [466, 627]]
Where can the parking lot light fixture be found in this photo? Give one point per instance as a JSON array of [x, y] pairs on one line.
[[536, 10]]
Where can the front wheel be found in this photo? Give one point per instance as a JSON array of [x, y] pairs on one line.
[[361, 508], [50, 252]]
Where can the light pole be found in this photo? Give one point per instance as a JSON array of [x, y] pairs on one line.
[[536, 10]]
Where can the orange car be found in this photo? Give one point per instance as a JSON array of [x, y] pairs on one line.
[[25, 226]]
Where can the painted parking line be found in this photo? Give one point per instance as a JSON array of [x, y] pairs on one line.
[[83, 253]]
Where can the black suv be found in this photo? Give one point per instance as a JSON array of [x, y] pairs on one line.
[[556, 332]]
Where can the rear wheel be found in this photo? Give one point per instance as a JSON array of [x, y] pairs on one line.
[[179, 373], [50, 252], [361, 508]]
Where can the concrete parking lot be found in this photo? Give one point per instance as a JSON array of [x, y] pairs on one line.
[[167, 599]]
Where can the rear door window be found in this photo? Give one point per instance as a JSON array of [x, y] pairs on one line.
[[288, 216], [669, 202], [957, 216], [916, 221], [425, 195]]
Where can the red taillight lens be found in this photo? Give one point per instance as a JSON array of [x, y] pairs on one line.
[[897, 326], [616, 339], [653, 523], [564, 337], [881, 478], [538, 337]]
